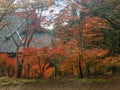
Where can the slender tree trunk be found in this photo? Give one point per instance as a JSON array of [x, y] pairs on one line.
[[80, 46], [40, 68], [88, 70], [19, 65], [19, 70], [80, 72], [95, 70], [28, 71], [57, 71]]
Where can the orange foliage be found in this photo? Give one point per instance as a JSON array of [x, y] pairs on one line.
[[7, 65], [37, 61]]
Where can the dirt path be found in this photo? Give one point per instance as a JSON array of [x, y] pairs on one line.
[[65, 84]]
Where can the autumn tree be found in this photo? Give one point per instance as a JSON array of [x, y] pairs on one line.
[[7, 65], [36, 63], [75, 25], [6, 8], [33, 23], [108, 11], [30, 24]]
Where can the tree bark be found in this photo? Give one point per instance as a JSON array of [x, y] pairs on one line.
[[80, 75], [19, 70]]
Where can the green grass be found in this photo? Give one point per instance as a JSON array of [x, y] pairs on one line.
[[11, 81]]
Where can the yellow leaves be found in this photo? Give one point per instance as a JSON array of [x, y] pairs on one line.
[[48, 72], [111, 61], [49, 2], [87, 25], [91, 30], [117, 8], [73, 56], [102, 53], [84, 10], [46, 3]]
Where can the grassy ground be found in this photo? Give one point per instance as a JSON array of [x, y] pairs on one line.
[[60, 84]]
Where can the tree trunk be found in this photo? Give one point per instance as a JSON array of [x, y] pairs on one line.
[[19, 65], [57, 71], [19, 70], [80, 75], [88, 70]]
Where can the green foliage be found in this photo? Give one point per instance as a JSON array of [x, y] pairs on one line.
[[11, 81], [109, 11], [91, 81]]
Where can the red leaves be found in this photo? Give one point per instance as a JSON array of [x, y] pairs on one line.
[[32, 19], [36, 62], [7, 64], [102, 53], [60, 51]]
